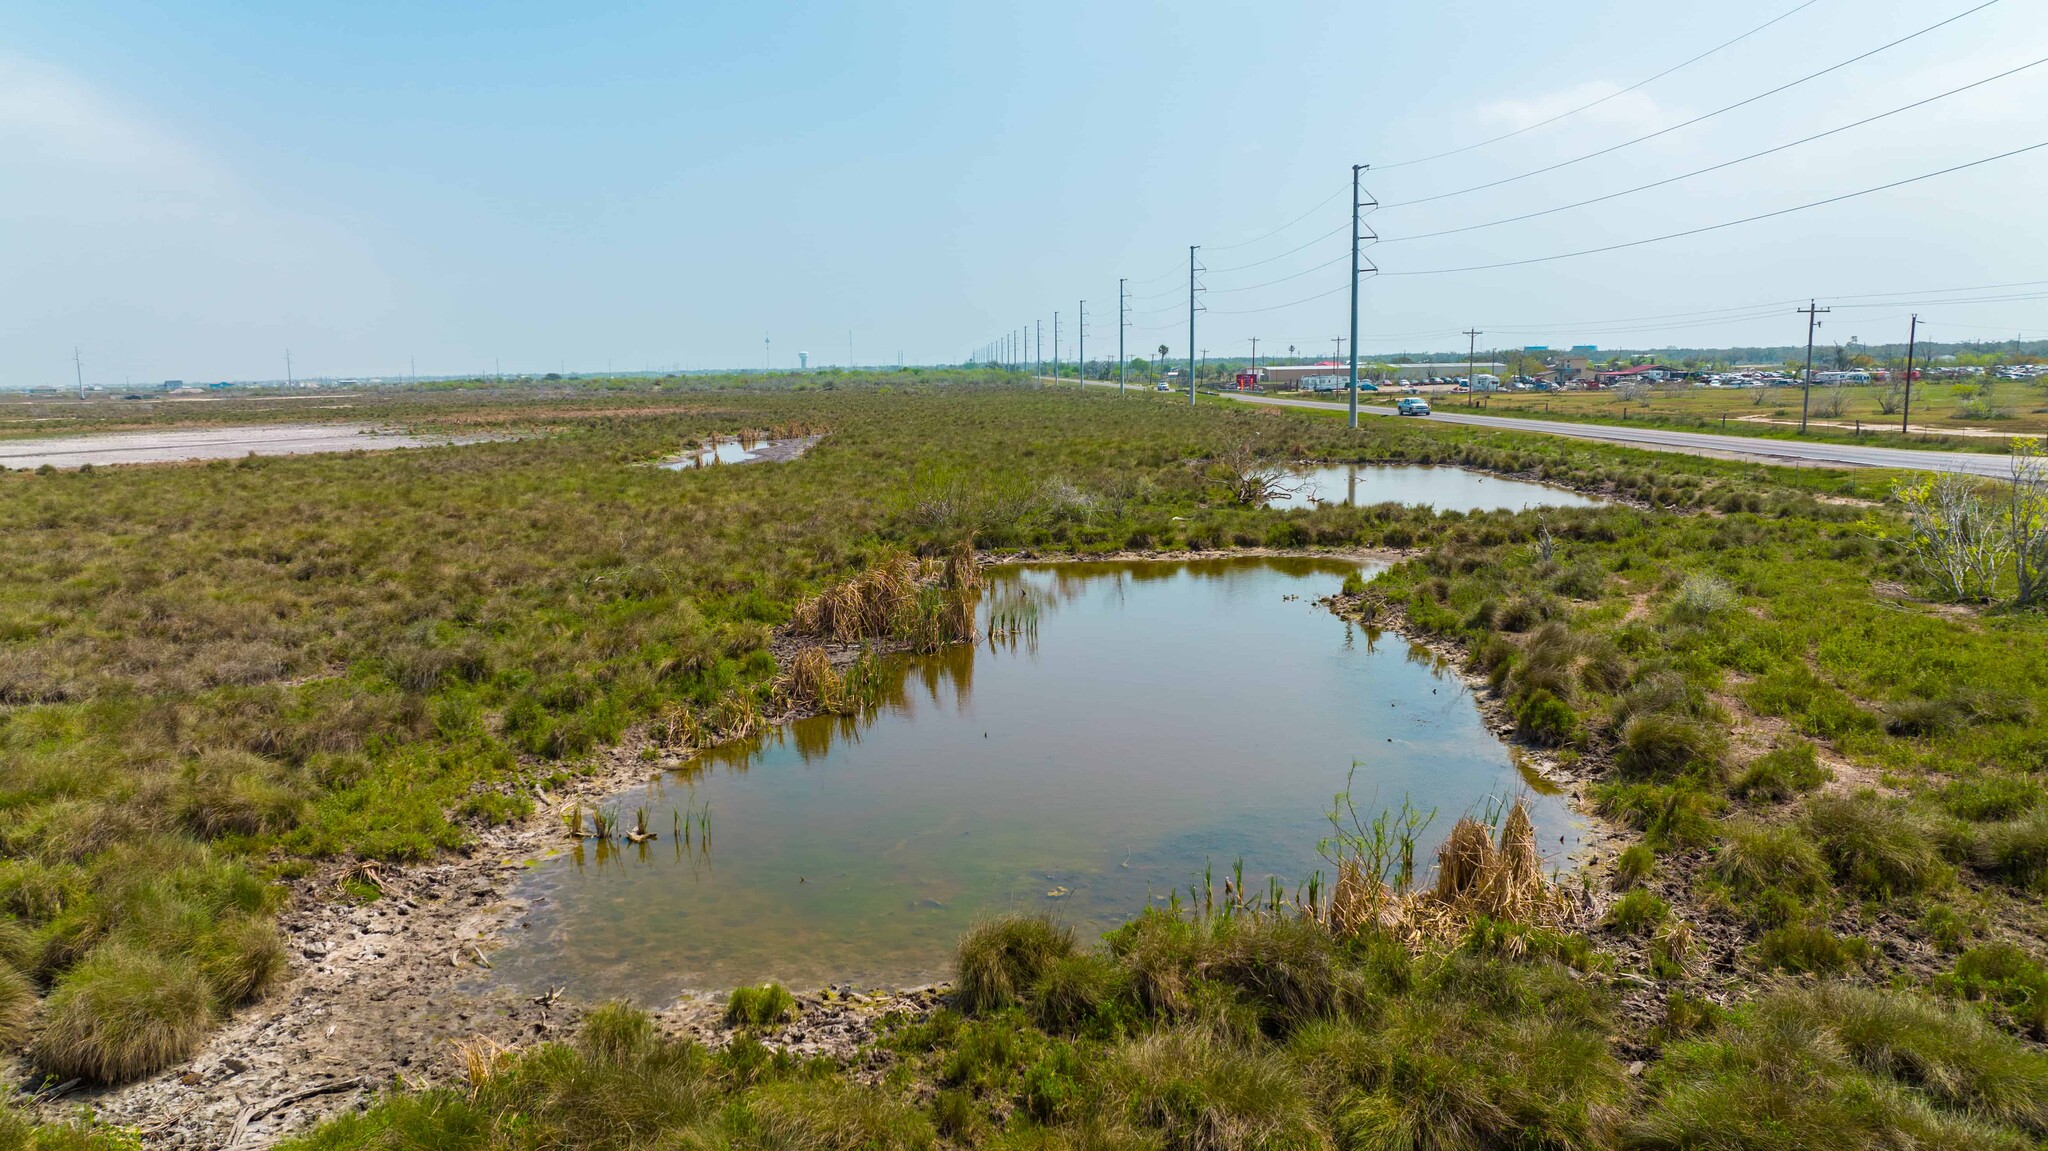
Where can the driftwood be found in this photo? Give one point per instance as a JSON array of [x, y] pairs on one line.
[[255, 1111]]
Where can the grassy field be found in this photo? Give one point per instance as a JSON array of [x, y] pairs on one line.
[[1956, 417], [215, 676]]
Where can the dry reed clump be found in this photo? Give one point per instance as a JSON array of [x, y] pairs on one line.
[[1478, 876], [809, 683], [920, 604], [482, 1058], [734, 716]]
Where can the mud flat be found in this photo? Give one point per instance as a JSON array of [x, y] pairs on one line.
[[179, 445]]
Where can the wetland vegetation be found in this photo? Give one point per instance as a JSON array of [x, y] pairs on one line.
[[223, 680]]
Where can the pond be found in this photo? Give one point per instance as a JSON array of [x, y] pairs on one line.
[[1161, 719], [1445, 489], [735, 452]]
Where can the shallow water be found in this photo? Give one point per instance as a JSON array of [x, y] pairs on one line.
[[172, 445], [1166, 717], [1442, 488], [723, 452]]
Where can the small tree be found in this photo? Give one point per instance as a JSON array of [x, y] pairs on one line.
[[1253, 479], [1954, 534], [2027, 517]]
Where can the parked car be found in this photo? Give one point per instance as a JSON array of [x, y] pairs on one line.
[[1162, 386], [1412, 406]]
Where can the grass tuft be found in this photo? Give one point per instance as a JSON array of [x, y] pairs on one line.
[[122, 1014], [1873, 844], [762, 1006], [1001, 959]]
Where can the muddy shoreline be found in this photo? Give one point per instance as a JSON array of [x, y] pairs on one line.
[[381, 994]]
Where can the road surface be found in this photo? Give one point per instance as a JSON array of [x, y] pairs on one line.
[[1787, 452]]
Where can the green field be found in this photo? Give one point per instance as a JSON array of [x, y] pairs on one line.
[[214, 678], [1952, 416]]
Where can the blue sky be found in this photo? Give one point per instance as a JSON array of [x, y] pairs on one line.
[[191, 188]]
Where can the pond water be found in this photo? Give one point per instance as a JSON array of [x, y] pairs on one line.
[[732, 452], [1445, 489], [1159, 718]]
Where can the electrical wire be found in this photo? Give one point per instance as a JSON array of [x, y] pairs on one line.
[[1723, 224], [1695, 120], [1602, 100], [1719, 166]]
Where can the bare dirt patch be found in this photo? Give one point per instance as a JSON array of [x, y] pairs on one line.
[[176, 445]]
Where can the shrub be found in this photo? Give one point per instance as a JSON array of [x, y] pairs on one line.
[[762, 1006], [1354, 583], [122, 1014], [1701, 599], [1810, 950], [1637, 913], [1872, 845], [1582, 580], [1663, 746], [1633, 866], [1546, 719], [1000, 959], [1781, 773]]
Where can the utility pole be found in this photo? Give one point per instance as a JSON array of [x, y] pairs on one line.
[[1081, 346], [1912, 338], [1471, 358], [78, 369], [1359, 233], [1191, 323], [1039, 339], [288, 382], [1355, 169], [1813, 316], [767, 356], [1122, 299], [1055, 347], [1255, 355]]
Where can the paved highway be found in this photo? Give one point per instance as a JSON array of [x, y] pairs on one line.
[[1787, 452]]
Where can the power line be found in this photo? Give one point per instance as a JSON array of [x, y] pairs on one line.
[[1604, 99], [1696, 119], [1721, 165], [1724, 224]]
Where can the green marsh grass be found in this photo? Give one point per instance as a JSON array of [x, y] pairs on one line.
[[208, 673], [763, 1006]]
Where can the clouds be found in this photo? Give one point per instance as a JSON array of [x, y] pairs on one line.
[[1610, 106]]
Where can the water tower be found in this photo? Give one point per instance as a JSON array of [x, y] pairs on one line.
[[803, 361]]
